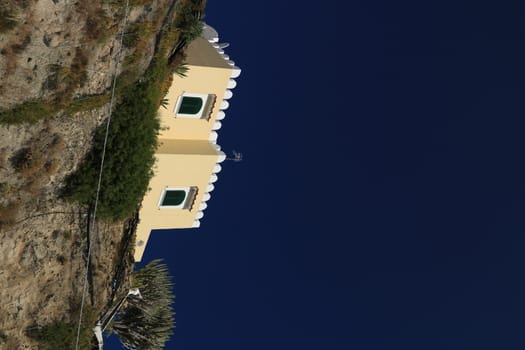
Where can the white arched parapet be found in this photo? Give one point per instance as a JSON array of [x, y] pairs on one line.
[[213, 136], [220, 115], [232, 84], [217, 147], [236, 71], [222, 157], [231, 63], [220, 51], [210, 34], [216, 126], [224, 105], [196, 224], [213, 178], [228, 94], [206, 197], [199, 215], [226, 57], [203, 206], [210, 188], [217, 168]]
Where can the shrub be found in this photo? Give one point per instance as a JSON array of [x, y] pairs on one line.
[[28, 112], [9, 214], [62, 334], [57, 335], [87, 103], [22, 159], [129, 156], [7, 20], [51, 168], [4, 188], [99, 26], [27, 162]]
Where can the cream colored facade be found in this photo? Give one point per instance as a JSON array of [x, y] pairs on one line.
[[188, 157]]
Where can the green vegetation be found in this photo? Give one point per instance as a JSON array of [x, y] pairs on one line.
[[147, 322], [129, 155], [189, 19], [131, 144], [33, 111], [7, 17], [28, 112], [63, 80], [182, 70], [62, 335], [134, 125], [87, 103], [57, 335]]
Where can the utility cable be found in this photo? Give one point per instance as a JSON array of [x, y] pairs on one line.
[[93, 225]]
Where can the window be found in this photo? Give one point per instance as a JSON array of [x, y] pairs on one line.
[[173, 198], [178, 197], [190, 105], [197, 106]]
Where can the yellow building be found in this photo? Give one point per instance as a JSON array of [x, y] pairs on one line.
[[188, 157]]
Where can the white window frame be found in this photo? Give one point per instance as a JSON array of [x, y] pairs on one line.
[[204, 98], [180, 206]]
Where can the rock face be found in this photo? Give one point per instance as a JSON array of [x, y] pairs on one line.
[[52, 37], [56, 50]]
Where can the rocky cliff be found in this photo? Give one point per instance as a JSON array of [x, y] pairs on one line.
[[57, 63]]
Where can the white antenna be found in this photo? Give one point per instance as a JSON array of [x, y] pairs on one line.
[[237, 156]]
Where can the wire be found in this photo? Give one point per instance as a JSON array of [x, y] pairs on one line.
[[93, 225]]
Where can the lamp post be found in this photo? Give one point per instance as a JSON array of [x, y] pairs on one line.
[[103, 322]]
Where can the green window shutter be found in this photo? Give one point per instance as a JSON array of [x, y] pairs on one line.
[[190, 105], [173, 197]]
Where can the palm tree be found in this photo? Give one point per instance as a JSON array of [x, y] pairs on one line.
[[164, 103], [147, 322], [182, 70]]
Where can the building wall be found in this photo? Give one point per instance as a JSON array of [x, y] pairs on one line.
[[201, 80], [193, 168], [185, 156]]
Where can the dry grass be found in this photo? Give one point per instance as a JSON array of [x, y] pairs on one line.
[[37, 162], [51, 168], [9, 9], [15, 46], [3, 158], [99, 26], [67, 79], [9, 214], [20, 46], [35, 186], [57, 144]]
